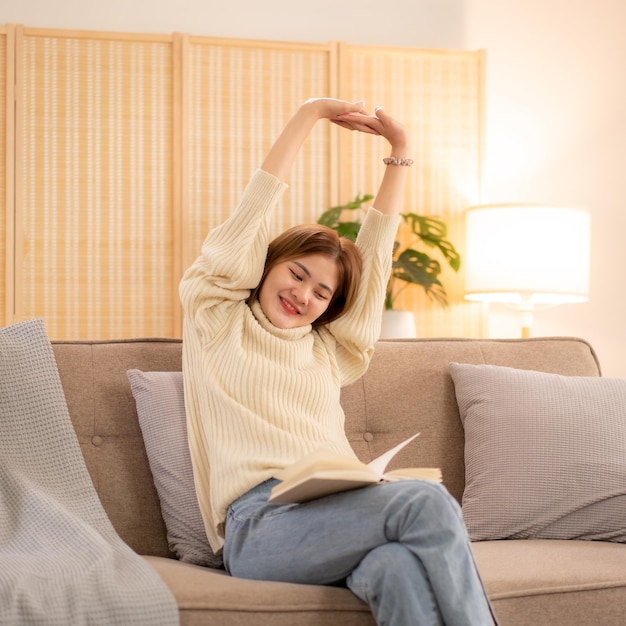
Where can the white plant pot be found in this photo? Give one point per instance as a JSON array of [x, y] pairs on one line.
[[398, 325]]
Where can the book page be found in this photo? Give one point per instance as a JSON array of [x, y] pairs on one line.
[[422, 473], [379, 464]]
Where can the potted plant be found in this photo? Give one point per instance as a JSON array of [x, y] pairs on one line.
[[411, 262]]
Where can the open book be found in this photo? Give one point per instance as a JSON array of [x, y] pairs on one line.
[[324, 472]]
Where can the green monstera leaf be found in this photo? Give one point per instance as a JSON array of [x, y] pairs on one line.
[[410, 265]]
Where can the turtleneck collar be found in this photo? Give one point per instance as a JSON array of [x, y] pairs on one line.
[[289, 334]]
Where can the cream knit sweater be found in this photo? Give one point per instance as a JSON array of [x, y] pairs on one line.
[[259, 397]]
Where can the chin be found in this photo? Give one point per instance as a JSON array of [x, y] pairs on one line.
[[281, 321], [291, 323]]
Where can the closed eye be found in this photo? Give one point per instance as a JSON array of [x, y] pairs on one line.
[[320, 294], [295, 275]]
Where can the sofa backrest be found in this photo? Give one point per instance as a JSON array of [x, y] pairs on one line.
[[407, 389]]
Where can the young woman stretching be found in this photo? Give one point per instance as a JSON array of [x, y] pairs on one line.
[[272, 332]]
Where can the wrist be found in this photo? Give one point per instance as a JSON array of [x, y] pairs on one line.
[[400, 149], [312, 108], [400, 154]]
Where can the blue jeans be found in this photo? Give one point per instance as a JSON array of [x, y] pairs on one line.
[[401, 547]]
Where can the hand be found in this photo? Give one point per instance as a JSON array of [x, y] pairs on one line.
[[282, 154], [330, 108], [378, 124]]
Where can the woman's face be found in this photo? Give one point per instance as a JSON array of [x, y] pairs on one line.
[[296, 292]]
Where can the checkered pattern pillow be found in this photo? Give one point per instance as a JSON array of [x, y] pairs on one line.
[[545, 455], [161, 411]]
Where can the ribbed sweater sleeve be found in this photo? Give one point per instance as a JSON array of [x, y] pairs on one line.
[[233, 254], [357, 331]]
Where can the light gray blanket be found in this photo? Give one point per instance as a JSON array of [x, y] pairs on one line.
[[61, 561]]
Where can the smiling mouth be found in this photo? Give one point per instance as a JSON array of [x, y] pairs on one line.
[[288, 307]]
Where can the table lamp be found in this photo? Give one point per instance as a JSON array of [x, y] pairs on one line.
[[527, 256]]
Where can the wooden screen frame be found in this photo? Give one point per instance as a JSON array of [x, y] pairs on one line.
[[8, 213]]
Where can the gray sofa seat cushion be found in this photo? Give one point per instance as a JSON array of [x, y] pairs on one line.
[[539, 581], [528, 581], [263, 603]]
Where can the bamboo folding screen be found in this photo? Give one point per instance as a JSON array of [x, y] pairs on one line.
[[126, 149]]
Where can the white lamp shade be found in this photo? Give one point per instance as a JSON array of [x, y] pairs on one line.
[[527, 255]]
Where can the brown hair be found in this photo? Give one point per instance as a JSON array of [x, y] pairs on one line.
[[316, 239]]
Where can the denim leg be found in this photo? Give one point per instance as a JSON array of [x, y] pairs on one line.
[[325, 540], [395, 585]]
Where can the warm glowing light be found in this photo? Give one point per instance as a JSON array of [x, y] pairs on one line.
[[527, 256]]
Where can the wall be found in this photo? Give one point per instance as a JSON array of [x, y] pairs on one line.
[[556, 129], [420, 23], [557, 134]]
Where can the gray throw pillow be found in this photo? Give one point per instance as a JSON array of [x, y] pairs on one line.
[[161, 410], [545, 455]]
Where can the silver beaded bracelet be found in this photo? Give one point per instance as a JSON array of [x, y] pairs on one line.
[[397, 161]]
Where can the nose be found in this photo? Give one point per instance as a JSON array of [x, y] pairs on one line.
[[300, 295]]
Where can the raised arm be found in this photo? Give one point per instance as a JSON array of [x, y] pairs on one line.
[[283, 152], [357, 330], [389, 197]]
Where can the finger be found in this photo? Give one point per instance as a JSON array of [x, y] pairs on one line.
[[367, 123], [380, 113], [358, 117], [364, 128], [353, 107], [339, 122]]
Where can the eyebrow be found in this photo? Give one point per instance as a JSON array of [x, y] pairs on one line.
[[306, 271]]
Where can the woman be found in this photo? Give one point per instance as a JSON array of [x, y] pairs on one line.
[[272, 332]]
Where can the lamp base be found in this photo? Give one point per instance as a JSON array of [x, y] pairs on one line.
[[398, 325], [527, 322]]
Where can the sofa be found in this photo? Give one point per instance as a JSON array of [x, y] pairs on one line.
[[531, 578]]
